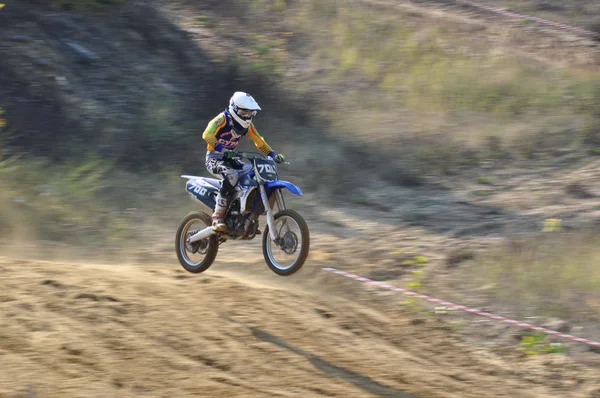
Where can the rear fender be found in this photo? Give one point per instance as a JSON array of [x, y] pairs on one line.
[[202, 191]]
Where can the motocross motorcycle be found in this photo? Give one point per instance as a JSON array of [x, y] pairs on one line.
[[286, 240]]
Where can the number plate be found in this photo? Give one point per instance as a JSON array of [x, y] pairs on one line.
[[266, 169]]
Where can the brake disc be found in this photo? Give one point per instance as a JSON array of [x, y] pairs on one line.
[[289, 242]]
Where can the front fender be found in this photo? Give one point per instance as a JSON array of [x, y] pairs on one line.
[[284, 184]]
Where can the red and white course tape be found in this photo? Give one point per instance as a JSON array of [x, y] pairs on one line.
[[529, 17], [384, 285]]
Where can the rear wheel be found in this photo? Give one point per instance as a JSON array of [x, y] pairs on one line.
[[287, 254], [198, 256]]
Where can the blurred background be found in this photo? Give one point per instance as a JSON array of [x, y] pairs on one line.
[[460, 147]]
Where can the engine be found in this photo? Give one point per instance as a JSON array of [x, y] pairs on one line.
[[243, 227]]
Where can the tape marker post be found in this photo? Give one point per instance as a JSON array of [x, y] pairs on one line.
[[386, 286], [511, 14]]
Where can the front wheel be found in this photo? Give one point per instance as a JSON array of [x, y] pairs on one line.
[[198, 256], [287, 254]]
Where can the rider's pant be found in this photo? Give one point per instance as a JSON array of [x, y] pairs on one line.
[[228, 170]]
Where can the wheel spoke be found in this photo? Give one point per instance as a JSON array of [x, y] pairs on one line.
[[285, 253], [193, 253], [198, 256]]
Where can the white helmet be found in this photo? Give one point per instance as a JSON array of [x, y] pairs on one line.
[[242, 108]]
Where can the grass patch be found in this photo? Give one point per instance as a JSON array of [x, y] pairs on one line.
[[438, 66], [535, 344], [204, 21], [86, 202], [485, 180], [84, 5], [421, 261], [555, 274]]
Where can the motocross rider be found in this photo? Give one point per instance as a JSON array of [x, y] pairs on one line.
[[222, 136]]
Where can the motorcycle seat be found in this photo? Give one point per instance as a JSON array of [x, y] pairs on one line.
[[214, 182]]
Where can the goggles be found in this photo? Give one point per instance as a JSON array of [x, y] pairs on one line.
[[246, 113]]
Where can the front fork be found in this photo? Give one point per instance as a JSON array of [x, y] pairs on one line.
[[279, 199], [270, 216]]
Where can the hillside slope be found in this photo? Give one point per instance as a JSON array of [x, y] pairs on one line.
[[123, 85]]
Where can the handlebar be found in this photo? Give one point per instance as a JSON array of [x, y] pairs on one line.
[[252, 156], [248, 155]]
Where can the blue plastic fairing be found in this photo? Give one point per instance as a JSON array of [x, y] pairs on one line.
[[284, 184]]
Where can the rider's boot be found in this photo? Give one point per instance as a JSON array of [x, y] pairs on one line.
[[218, 216]]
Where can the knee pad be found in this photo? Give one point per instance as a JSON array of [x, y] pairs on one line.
[[232, 178], [227, 187]]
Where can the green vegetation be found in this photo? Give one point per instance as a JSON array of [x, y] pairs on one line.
[[84, 5], [202, 20], [535, 344], [83, 202], [421, 261], [268, 56], [555, 274], [483, 180], [417, 276]]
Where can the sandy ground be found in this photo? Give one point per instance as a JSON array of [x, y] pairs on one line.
[[152, 330]]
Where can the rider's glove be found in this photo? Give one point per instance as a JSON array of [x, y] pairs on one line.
[[279, 158], [228, 154]]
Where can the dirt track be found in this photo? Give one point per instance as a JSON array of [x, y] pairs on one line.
[[69, 330]]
